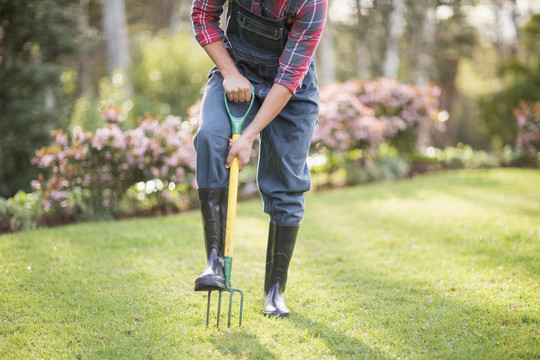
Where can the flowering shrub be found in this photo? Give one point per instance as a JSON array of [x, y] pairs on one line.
[[528, 120], [358, 118], [363, 115], [94, 170]]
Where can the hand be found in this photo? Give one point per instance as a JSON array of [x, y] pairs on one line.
[[241, 149], [238, 88]]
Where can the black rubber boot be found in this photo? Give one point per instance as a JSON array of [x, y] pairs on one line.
[[281, 241], [214, 214]]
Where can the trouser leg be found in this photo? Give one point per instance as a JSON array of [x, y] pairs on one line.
[[212, 139], [283, 177], [211, 145]]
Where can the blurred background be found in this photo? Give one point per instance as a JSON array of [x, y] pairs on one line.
[[87, 66]]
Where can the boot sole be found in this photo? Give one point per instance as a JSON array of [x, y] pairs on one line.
[[276, 314], [209, 285]]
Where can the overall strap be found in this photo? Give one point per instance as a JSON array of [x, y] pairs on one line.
[[290, 11]]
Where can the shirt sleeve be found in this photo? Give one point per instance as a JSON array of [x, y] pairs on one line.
[[205, 17], [302, 42]]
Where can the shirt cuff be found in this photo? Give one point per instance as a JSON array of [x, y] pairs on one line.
[[208, 37], [288, 84]]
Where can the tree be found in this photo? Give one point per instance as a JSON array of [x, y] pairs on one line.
[[37, 38], [454, 40], [521, 78], [326, 55], [116, 38], [418, 42], [394, 31]]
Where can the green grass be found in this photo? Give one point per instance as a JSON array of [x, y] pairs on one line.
[[444, 266]]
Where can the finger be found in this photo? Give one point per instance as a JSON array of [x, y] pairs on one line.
[[230, 96], [229, 160], [248, 95], [241, 96]]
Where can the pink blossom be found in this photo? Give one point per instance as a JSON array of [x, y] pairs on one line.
[[59, 195], [35, 184]]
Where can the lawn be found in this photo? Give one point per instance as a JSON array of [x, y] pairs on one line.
[[443, 266]]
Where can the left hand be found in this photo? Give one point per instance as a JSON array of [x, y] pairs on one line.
[[241, 149]]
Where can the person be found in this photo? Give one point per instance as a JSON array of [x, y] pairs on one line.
[[268, 46]]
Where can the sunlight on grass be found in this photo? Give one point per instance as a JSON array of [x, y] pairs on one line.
[[442, 266]]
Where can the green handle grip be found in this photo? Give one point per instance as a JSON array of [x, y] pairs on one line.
[[238, 122]]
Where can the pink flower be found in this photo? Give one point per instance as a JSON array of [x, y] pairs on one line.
[[36, 185]]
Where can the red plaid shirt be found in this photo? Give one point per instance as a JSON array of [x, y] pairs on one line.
[[303, 40]]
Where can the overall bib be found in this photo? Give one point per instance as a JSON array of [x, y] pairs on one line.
[[255, 44]]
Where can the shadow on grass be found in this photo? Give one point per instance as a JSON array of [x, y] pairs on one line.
[[434, 314], [471, 190], [420, 319], [242, 345], [340, 344], [412, 317]]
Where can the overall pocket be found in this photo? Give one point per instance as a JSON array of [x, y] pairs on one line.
[[255, 31], [259, 35]]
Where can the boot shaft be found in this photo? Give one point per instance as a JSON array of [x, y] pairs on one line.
[[214, 216], [281, 243]]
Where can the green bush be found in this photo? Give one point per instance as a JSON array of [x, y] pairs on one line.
[[20, 212], [334, 169], [168, 73]]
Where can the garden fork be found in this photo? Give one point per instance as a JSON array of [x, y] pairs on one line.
[[237, 124]]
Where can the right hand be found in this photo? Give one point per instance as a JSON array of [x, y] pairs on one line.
[[237, 88]]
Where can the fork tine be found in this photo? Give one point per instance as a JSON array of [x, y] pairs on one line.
[[208, 309]]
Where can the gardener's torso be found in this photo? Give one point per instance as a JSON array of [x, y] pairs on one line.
[[257, 41]]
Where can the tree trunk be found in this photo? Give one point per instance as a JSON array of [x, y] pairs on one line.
[[425, 60], [362, 59], [363, 54], [448, 95], [85, 79], [116, 38], [326, 55], [180, 16], [394, 31]]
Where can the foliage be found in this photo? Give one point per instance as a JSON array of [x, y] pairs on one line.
[[442, 266], [528, 123], [87, 114], [36, 39], [521, 79], [21, 212], [164, 79], [91, 173], [355, 167], [455, 157], [362, 115], [168, 73], [366, 128]]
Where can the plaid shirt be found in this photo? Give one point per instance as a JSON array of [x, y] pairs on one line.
[[303, 40]]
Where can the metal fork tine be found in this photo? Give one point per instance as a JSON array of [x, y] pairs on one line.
[[219, 309], [241, 307], [208, 309], [230, 308], [231, 300]]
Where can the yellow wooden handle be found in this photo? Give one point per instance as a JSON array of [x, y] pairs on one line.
[[231, 206]]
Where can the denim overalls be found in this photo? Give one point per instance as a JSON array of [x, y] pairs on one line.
[[255, 43]]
